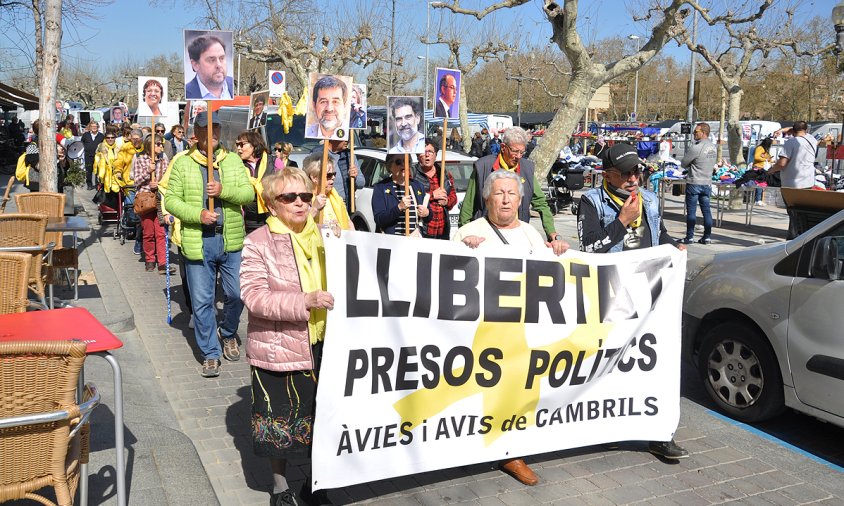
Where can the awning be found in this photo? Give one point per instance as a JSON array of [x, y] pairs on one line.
[[13, 98]]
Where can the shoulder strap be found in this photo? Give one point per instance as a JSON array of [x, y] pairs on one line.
[[808, 143], [494, 229]]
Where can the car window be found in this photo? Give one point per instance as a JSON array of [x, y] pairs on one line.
[[805, 252], [461, 172], [367, 166], [380, 171]]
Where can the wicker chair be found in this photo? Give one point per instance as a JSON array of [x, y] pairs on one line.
[[14, 274], [44, 432], [51, 205], [6, 197], [26, 233]]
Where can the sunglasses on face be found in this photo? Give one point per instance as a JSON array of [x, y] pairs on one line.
[[240, 143], [330, 175], [278, 150], [159, 144], [289, 198], [159, 131], [635, 172], [399, 163], [109, 137]]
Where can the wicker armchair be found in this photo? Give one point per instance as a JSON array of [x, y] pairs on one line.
[[51, 205], [41, 443], [26, 233], [14, 274], [6, 197]]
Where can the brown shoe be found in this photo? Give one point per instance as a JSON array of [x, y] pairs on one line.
[[519, 470], [149, 266]]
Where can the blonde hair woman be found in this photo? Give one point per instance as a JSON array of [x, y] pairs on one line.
[[329, 202]]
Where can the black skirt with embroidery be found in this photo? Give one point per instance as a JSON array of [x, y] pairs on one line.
[[283, 408]]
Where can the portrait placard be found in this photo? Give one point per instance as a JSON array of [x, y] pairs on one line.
[[328, 107], [447, 93], [405, 118], [258, 109], [207, 64], [357, 107], [152, 94]]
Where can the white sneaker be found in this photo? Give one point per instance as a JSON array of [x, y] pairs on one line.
[[761, 203], [190, 323]]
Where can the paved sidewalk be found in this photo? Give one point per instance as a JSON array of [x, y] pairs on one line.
[[172, 407]]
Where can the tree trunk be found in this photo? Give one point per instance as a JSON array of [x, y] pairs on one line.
[[48, 27], [463, 104], [733, 126], [580, 92]]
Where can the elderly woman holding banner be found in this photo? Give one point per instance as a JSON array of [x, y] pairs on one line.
[[390, 199], [329, 201], [502, 193], [282, 282]]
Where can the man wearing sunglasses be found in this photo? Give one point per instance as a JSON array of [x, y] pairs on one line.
[[211, 240], [514, 142], [620, 216]]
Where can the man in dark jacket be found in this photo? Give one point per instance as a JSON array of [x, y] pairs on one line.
[[90, 140]]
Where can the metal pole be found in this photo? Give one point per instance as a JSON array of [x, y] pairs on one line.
[[636, 89], [237, 90], [427, 51], [690, 101], [519, 104], [392, 43]]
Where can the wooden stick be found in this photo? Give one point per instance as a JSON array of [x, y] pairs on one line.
[[322, 176], [407, 191], [209, 155], [351, 161], [442, 161]]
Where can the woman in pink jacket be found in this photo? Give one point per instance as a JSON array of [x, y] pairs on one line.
[[282, 283]]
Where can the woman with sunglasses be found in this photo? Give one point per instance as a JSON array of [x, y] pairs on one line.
[[329, 201], [104, 161], [147, 168], [390, 199], [282, 284], [281, 152], [253, 151]]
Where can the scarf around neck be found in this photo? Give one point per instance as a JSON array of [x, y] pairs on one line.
[[310, 260], [620, 202]]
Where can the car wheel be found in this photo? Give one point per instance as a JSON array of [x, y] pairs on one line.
[[740, 373]]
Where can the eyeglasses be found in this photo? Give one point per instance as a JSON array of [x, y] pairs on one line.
[[241, 143], [517, 152], [159, 144], [278, 150], [109, 137], [330, 175], [159, 131], [289, 198], [627, 173]]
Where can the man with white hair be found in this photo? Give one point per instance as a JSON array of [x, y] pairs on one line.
[[514, 141]]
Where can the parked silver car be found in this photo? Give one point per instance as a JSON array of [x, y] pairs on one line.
[[765, 326]]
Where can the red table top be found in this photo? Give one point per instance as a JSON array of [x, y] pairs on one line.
[[59, 325]]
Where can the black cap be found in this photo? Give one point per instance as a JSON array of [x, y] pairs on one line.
[[201, 120], [622, 157]]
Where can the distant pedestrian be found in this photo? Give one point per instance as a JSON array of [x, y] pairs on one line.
[[700, 159], [91, 140], [797, 163], [477, 146]]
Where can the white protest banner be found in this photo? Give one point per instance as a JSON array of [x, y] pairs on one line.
[[439, 356], [278, 83]]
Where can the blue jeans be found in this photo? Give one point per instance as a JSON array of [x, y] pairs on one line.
[[758, 194], [202, 279], [698, 194]]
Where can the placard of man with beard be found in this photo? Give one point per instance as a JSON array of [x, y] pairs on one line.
[[404, 130], [328, 114]]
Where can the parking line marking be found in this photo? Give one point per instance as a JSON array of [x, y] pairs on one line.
[[765, 435]]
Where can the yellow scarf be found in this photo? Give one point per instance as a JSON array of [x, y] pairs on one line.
[[338, 207], [199, 158], [256, 182], [619, 202], [310, 260]]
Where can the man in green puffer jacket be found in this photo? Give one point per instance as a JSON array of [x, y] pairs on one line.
[[211, 240]]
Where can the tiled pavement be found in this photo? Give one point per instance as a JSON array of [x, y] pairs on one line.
[[727, 464]]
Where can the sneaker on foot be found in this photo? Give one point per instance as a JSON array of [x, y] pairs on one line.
[[286, 498], [231, 351], [667, 450], [705, 240], [760, 203], [210, 368], [686, 240], [137, 249]]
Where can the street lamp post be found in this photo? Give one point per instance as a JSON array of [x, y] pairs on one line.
[[427, 49], [636, 86], [838, 22]]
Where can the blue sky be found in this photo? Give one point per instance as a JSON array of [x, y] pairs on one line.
[[140, 29]]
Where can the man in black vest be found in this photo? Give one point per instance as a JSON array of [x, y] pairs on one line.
[[514, 142], [90, 140]]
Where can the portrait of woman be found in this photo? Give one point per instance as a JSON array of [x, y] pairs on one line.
[[152, 92]]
